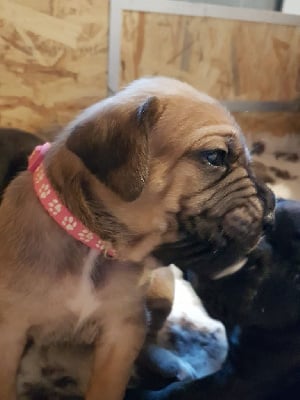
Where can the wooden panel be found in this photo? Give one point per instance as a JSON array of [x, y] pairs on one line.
[[53, 59], [279, 123], [230, 60]]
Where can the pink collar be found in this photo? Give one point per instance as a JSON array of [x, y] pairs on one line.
[[52, 204]]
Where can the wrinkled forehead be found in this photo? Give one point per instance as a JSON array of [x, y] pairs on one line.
[[187, 123], [188, 117]]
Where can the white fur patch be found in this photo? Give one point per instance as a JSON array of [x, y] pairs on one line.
[[231, 270], [187, 305], [85, 301], [199, 341]]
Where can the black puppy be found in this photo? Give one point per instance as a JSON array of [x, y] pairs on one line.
[[260, 307], [15, 147]]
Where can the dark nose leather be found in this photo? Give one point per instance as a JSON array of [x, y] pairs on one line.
[[268, 222], [267, 197]]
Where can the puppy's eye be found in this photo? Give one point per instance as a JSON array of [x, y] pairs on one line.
[[217, 158]]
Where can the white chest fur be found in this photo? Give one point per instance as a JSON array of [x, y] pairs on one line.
[[84, 302]]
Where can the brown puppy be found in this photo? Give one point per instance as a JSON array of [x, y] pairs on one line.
[[135, 169]]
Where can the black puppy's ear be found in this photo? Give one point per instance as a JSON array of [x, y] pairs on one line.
[[113, 145]]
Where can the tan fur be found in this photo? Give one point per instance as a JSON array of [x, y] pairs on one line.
[[46, 288]]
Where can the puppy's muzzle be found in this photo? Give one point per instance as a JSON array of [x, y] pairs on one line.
[[268, 201]]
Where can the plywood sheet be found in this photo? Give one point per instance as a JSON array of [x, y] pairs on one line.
[[277, 123], [53, 60], [230, 60]]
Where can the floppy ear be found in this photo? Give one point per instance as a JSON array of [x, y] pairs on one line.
[[113, 145]]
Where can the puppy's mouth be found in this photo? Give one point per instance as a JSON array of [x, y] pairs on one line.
[[213, 249]]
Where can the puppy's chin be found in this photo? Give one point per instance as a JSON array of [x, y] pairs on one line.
[[208, 259], [209, 244]]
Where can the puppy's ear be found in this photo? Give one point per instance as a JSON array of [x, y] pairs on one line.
[[113, 145]]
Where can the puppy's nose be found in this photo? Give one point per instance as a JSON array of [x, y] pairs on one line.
[[269, 210], [270, 203], [268, 200], [268, 221]]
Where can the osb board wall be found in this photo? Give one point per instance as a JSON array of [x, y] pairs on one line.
[[53, 60], [231, 60], [277, 123]]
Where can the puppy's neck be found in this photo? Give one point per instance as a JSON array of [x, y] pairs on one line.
[[78, 190], [93, 204]]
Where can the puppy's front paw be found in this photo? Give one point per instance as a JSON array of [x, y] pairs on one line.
[[160, 361], [185, 371]]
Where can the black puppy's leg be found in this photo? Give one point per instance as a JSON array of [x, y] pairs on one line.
[[219, 386], [165, 364], [174, 391]]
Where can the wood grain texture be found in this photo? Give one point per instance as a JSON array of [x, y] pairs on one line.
[[53, 60], [277, 123], [230, 60]]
